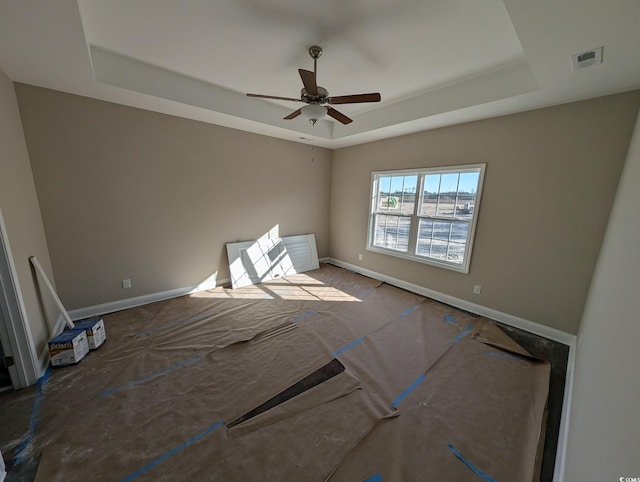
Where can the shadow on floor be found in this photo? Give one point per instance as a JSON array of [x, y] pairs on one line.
[[557, 354]]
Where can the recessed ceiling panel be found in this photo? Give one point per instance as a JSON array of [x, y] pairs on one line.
[[398, 48], [434, 62]]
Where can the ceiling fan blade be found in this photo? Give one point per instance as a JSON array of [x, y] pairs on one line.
[[355, 98], [339, 116], [309, 81], [294, 114], [261, 96]]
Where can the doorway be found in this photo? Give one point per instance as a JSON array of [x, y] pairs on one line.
[[17, 347], [5, 360], [5, 377]]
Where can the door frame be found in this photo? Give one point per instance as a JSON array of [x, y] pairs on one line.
[[15, 333], [11, 385]]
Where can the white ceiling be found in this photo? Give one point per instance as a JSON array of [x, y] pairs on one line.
[[435, 62]]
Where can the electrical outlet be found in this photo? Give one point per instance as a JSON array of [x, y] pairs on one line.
[[126, 283], [360, 257], [477, 289]]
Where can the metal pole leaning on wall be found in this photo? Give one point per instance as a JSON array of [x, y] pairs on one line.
[[63, 312]]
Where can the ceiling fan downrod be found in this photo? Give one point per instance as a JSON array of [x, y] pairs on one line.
[[315, 52]]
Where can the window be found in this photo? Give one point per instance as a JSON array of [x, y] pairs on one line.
[[427, 215]]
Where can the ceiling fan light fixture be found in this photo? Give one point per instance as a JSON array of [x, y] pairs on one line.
[[315, 96], [313, 112]]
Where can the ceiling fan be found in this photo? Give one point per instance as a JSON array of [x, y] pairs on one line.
[[316, 97]]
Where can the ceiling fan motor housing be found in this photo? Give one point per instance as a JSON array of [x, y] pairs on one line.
[[315, 109], [321, 98]]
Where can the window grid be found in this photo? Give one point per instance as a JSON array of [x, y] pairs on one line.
[[448, 239]]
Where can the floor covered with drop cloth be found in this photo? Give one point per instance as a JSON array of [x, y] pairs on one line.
[[321, 376]]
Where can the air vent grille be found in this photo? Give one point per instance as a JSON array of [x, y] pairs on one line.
[[587, 58]]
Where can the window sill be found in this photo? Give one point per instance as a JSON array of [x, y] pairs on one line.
[[460, 268]]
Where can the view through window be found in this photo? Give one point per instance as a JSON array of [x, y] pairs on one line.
[[428, 215]]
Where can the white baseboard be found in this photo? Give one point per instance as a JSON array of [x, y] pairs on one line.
[[563, 436], [511, 320], [118, 305]]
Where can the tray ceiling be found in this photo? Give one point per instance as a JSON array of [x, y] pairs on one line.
[[435, 63]]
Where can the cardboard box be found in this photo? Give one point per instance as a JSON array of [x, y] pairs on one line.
[[96, 333], [68, 348]]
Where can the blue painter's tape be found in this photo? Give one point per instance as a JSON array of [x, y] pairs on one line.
[[303, 315], [146, 378], [373, 478], [19, 454], [332, 278], [366, 292], [171, 452], [463, 333], [347, 347], [473, 468], [503, 355], [450, 319], [410, 310], [409, 389], [175, 323]]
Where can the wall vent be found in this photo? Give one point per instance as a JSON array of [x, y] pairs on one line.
[[587, 58]]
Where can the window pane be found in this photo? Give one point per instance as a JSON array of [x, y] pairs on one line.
[[397, 194], [394, 201], [459, 232], [391, 232], [448, 194], [444, 240], [404, 225], [446, 202], [384, 188], [408, 195], [467, 192], [431, 190], [424, 237], [456, 253], [449, 183], [441, 230], [469, 182], [438, 250]]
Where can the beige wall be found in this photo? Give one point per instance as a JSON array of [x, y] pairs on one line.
[[128, 193], [549, 185], [21, 213]]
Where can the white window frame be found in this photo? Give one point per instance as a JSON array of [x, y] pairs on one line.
[[411, 252]]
